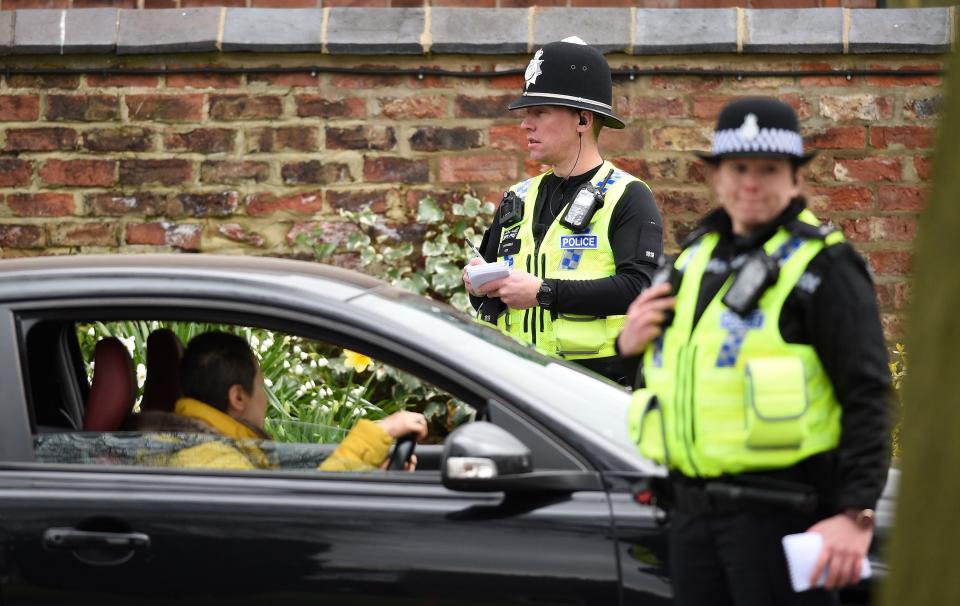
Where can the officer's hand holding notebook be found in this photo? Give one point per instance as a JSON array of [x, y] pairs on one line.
[[487, 272]]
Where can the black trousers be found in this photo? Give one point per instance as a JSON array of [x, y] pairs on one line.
[[736, 559]]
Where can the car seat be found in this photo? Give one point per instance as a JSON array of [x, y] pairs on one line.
[[162, 386], [113, 389]]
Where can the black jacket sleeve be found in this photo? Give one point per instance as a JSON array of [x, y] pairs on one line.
[[489, 307], [843, 326], [636, 237]]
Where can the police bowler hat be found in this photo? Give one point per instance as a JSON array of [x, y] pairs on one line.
[[572, 74], [757, 126]]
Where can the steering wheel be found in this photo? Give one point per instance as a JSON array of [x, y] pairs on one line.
[[402, 452]]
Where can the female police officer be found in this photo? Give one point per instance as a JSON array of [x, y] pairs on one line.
[[766, 378]]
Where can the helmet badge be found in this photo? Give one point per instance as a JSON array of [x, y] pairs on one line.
[[533, 69], [749, 130]]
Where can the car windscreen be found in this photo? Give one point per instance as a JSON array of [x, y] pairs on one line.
[[584, 399]]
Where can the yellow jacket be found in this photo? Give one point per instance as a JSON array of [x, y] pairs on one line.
[[364, 448]]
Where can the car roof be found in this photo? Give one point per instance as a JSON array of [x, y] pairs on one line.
[[335, 282]]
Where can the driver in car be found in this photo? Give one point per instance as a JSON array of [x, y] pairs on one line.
[[223, 393]]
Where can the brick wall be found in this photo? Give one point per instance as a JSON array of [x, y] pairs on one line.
[[244, 162]]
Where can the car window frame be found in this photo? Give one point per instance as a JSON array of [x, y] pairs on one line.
[[292, 321]]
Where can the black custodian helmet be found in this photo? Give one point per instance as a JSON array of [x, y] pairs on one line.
[[572, 74], [757, 126]]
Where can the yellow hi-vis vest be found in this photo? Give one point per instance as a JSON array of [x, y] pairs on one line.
[[729, 395], [569, 336]]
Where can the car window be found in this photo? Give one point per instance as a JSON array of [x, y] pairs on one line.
[[177, 450], [316, 393], [596, 404]]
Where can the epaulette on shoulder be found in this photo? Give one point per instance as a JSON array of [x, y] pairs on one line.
[[810, 232]]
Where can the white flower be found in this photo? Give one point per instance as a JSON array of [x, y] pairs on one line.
[[322, 362], [304, 355], [298, 369], [141, 374], [267, 382], [296, 349], [254, 341], [286, 364], [324, 409], [357, 391], [91, 332], [129, 343], [267, 344]]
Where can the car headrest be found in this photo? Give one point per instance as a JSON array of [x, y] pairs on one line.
[[162, 386], [113, 389]]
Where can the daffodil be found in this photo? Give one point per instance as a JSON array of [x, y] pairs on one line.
[[356, 361]]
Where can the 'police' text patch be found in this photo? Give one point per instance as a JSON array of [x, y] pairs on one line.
[[578, 241]]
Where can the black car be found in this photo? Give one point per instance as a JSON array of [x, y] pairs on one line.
[[535, 501]]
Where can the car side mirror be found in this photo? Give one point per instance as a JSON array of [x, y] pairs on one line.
[[481, 450], [480, 456]]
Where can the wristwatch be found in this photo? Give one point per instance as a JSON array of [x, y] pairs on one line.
[[864, 518], [545, 295]]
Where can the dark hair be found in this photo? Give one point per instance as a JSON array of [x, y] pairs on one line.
[[212, 363], [597, 125], [796, 166]]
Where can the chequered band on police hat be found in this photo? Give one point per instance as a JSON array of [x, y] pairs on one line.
[[569, 98], [768, 140]]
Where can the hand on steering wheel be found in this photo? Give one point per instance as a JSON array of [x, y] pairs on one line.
[[406, 428], [403, 452]]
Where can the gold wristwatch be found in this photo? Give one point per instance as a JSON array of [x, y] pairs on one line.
[[864, 518]]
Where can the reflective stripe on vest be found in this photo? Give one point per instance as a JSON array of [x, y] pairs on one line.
[[731, 395], [588, 258]]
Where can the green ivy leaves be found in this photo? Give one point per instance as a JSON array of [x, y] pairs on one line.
[[432, 269]]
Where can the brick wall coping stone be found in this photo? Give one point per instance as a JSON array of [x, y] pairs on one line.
[[418, 31]]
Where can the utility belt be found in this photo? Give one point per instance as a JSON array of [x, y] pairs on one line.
[[727, 495]]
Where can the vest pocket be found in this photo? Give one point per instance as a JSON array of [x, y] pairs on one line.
[[645, 424], [579, 335], [776, 397]]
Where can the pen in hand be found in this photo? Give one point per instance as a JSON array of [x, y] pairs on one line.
[[476, 251]]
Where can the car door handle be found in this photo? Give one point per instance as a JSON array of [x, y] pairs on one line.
[[71, 538]]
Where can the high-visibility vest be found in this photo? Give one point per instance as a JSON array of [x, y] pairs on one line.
[[586, 257], [729, 395]]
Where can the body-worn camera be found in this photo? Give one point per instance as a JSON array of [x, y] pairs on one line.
[[511, 209], [758, 272], [667, 273]]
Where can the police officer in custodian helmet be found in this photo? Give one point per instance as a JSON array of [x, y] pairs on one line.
[[767, 385], [583, 237]]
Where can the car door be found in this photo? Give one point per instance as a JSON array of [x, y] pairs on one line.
[[92, 532], [76, 536]]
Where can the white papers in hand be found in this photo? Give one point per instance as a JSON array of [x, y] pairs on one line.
[[802, 551], [487, 272]]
